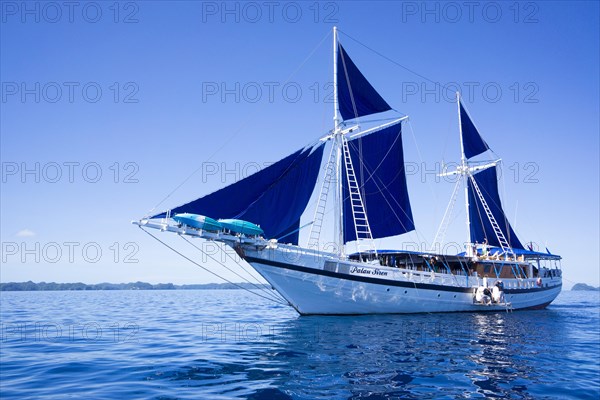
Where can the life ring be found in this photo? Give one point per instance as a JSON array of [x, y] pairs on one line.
[[539, 281]]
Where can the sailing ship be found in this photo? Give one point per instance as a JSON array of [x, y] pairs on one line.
[[259, 217]]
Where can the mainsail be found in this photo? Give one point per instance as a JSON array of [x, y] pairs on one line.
[[356, 96], [276, 197], [383, 184], [473, 143], [273, 198], [481, 228]]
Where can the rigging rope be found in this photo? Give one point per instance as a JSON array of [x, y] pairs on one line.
[[476, 197], [446, 87], [208, 270], [375, 179], [151, 211], [229, 269], [506, 223], [347, 79]]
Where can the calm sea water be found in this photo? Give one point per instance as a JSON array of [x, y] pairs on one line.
[[230, 344]]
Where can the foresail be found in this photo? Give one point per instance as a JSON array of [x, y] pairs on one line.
[[473, 143], [356, 96], [273, 198], [378, 162], [481, 228]]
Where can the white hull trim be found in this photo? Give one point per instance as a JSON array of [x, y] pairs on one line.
[[315, 291]]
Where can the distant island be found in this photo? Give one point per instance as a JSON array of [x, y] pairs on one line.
[[46, 286], [583, 286], [32, 286]]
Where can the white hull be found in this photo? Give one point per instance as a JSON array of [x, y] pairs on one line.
[[313, 288], [394, 281]]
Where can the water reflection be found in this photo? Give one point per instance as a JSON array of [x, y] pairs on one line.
[[205, 345], [497, 367], [496, 355], [360, 357]]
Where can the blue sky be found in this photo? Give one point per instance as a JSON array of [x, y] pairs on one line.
[[145, 93]]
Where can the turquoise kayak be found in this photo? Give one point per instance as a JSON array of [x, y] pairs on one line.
[[198, 222], [239, 226]]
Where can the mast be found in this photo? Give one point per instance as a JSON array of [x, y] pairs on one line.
[[336, 107], [464, 168], [338, 138]]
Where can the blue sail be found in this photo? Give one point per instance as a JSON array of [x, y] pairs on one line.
[[356, 96], [480, 225], [273, 198], [473, 143], [383, 184]]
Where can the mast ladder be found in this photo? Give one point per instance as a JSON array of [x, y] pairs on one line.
[[506, 248], [315, 231], [359, 214]]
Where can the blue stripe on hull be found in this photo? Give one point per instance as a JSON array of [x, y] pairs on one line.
[[378, 281]]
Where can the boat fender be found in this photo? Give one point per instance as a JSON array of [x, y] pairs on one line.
[[539, 281]]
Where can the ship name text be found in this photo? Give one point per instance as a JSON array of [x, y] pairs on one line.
[[366, 271]]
